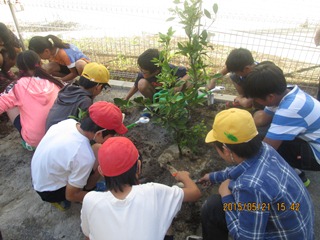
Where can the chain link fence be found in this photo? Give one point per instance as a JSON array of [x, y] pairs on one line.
[[116, 32]]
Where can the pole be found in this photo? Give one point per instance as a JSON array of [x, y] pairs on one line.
[[13, 13]]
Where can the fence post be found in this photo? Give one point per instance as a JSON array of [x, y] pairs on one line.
[[13, 13]]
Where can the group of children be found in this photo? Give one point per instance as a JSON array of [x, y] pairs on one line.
[[262, 194]]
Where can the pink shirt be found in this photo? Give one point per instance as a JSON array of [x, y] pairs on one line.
[[34, 97]]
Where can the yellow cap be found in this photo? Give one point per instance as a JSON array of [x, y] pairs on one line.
[[232, 126], [96, 72]]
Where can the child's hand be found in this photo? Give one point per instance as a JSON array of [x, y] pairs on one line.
[[224, 188], [205, 181], [181, 176]]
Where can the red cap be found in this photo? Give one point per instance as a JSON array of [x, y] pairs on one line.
[[108, 116], [116, 156]]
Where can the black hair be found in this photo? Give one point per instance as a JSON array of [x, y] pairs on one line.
[[127, 178], [87, 84], [10, 41], [145, 60], [244, 150], [108, 132], [266, 78], [29, 60], [238, 59], [39, 43], [90, 126]]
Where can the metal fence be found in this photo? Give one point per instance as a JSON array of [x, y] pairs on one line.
[[115, 32]]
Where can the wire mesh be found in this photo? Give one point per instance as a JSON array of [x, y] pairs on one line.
[[116, 32]]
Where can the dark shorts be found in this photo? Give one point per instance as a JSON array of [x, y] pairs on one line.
[[299, 154], [17, 124], [64, 69], [53, 196]]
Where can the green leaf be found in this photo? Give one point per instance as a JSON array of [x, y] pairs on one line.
[[119, 101], [138, 100], [215, 8], [170, 19], [204, 35], [207, 13]]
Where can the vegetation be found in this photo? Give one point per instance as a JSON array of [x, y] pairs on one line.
[[171, 108]]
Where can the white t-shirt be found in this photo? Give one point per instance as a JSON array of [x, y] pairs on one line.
[[146, 213], [63, 156]]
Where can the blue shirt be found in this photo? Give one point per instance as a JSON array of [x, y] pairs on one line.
[[268, 200], [297, 116]]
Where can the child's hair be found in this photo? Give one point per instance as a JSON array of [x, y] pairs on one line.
[[238, 59], [10, 41], [39, 43], [87, 84], [145, 60], [127, 178], [266, 78], [87, 124], [29, 60], [244, 150]]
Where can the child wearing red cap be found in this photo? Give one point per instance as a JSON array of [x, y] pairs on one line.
[[64, 164], [115, 212]]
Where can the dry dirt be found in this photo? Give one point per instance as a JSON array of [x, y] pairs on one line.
[[25, 216]]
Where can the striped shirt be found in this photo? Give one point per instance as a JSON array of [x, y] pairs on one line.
[[297, 116], [268, 200]]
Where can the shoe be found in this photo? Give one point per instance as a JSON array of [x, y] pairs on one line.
[[27, 146], [145, 113], [62, 206], [304, 179], [194, 237]]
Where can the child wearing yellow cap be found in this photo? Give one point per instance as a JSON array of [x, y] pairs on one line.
[[73, 98], [260, 195]]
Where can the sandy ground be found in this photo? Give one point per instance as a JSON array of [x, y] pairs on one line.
[[23, 215]]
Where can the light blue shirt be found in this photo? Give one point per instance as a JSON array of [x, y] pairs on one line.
[[297, 116]]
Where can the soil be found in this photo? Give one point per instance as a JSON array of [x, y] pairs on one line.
[[25, 216]]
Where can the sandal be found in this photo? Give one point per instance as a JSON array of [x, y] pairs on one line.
[[27, 146]]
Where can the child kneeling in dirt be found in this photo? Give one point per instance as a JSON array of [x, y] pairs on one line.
[[73, 98], [239, 64], [30, 99], [64, 164], [66, 61], [146, 81], [292, 114], [260, 195], [128, 210]]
